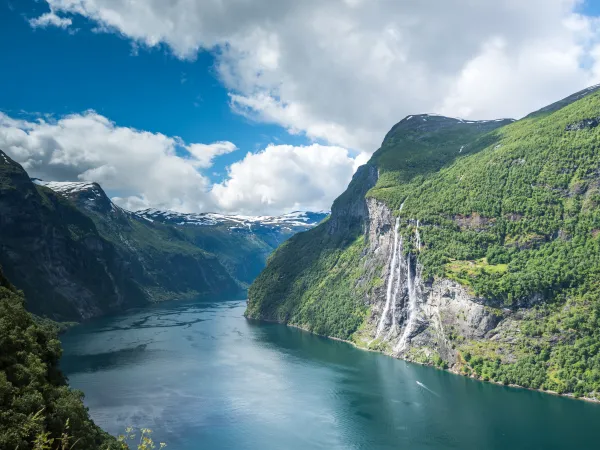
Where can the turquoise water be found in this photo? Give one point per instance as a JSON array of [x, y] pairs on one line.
[[202, 377]]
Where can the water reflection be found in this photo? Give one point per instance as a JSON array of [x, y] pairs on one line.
[[200, 373]]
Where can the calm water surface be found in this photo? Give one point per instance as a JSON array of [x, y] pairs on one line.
[[202, 377]]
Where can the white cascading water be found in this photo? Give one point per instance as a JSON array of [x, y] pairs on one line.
[[390, 285], [391, 296], [396, 291], [412, 284], [418, 237]]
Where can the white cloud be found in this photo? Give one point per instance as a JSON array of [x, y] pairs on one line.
[[205, 153], [50, 19], [144, 169], [344, 71], [284, 177]]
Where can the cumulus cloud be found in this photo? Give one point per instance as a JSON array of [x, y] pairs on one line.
[[344, 71], [284, 177], [143, 169]]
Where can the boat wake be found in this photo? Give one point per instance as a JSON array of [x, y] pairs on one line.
[[427, 389]]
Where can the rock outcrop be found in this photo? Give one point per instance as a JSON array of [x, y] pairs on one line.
[[410, 317]]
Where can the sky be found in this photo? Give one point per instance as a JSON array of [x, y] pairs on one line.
[[264, 106]]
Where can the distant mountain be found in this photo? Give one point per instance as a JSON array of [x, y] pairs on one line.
[[77, 255], [241, 244], [294, 221]]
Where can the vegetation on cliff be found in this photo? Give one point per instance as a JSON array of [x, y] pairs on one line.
[[509, 210], [36, 404]]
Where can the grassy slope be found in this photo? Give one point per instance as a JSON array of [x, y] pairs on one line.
[[516, 219]]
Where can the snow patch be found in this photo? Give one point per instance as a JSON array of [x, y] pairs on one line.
[[296, 219], [68, 187]]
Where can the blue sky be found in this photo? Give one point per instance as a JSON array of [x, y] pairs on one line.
[[591, 7], [52, 71], [308, 88]]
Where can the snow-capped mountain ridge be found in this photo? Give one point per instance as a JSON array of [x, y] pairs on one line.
[[92, 195], [296, 219]]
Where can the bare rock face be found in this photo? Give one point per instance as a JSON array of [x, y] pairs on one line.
[[411, 317], [583, 124], [350, 212]]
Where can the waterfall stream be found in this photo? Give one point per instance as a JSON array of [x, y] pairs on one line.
[[390, 285], [390, 298], [396, 290], [418, 236], [412, 283]]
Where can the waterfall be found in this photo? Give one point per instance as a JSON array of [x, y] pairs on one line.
[[390, 285], [412, 283], [395, 271], [396, 291], [418, 236]]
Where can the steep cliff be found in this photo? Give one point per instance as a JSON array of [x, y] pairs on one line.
[[55, 253], [77, 255], [477, 250]]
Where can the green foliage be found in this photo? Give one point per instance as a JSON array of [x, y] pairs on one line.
[[36, 406], [509, 210], [143, 442], [558, 348], [318, 285]]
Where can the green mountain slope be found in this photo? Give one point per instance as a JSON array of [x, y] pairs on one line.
[[498, 249], [165, 263], [55, 254], [34, 396]]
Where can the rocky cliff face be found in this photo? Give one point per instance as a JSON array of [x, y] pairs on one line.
[[411, 317]]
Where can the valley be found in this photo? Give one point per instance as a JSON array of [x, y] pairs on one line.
[[77, 255]]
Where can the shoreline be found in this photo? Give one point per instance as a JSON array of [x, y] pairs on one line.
[[449, 370]]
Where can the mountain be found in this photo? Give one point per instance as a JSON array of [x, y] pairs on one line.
[[240, 244], [77, 255], [55, 254], [469, 245]]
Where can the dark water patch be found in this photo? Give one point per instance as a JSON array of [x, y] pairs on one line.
[[73, 364]]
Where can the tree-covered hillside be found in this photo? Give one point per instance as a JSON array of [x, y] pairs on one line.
[[36, 404], [311, 280], [512, 214]]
